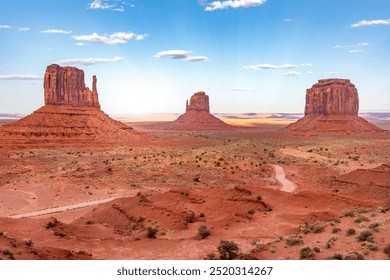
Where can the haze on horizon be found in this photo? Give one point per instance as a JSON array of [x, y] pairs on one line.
[[150, 56]]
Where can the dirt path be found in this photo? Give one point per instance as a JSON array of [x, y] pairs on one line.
[[280, 176], [61, 208]]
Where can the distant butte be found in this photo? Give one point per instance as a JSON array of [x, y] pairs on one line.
[[71, 115], [332, 107], [198, 117]]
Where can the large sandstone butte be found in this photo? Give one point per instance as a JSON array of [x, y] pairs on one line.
[[65, 86], [197, 116], [71, 116], [332, 107]]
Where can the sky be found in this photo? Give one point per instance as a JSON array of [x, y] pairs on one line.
[[150, 56]]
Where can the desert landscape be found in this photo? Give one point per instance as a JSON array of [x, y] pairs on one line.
[[76, 184]]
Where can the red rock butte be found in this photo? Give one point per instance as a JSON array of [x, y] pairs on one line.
[[332, 107], [198, 118], [71, 116]]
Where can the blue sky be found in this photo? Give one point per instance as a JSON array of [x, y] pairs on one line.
[[152, 55]]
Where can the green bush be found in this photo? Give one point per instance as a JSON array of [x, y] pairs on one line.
[[351, 231]]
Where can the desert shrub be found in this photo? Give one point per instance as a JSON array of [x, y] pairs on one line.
[[306, 253], [273, 249], [386, 250], [374, 225], [211, 256], [316, 249], [351, 231], [372, 247], [151, 232], [349, 213], [317, 228], [336, 230], [251, 211], [294, 240], [228, 250], [331, 242], [60, 234], [28, 243], [89, 222], [203, 232], [334, 220], [190, 218], [360, 219], [202, 215], [13, 244], [363, 210], [140, 219], [365, 235]]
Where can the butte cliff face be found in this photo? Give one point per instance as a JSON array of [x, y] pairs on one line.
[[197, 116], [71, 116], [65, 86], [331, 108]]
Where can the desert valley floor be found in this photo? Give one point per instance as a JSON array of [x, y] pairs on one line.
[[108, 202]]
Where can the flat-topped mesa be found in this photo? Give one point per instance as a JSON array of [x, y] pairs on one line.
[[66, 86], [199, 102], [332, 97]]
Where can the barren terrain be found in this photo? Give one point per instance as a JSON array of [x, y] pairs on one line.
[[272, 194]]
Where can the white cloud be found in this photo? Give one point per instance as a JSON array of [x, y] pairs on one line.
[[20, 77], [363, 44], [23, 29], [99, 5], [370, 22], [88, 61], [218, 5], [292, 73], [243, 89], [355, 51], [180, 55], [270, 66], [56, 31], [309, 72], [80, 44], [5, 26], [114, 38], [107, 5]]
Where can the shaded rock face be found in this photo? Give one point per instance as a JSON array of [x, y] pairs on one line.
[[332, 97], [198, 102], [66, 86]]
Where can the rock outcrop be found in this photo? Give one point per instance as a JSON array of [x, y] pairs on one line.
[[332, 107], [71, 116], [66, 86], [197, 116], [198, 102], [332, 97]]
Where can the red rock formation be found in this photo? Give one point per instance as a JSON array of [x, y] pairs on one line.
[[65, 86], [197, 116], [332, 97], [332, 107], [71, 116]]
